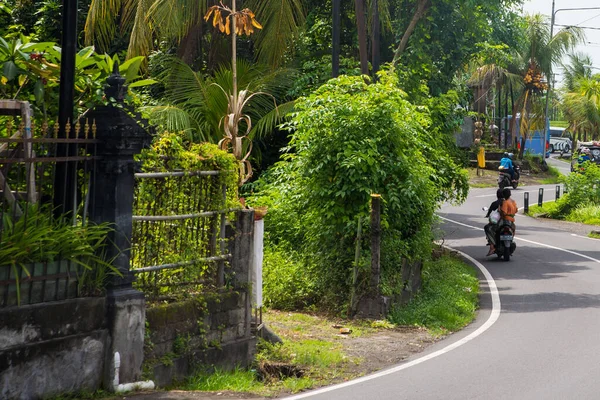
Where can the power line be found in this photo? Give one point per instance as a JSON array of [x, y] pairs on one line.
[[582, 27]]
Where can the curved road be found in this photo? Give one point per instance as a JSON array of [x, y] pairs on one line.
[[537, 335]]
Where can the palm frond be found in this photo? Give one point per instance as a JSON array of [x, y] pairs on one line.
[[174, 18], [281, 20], [100, 24], [270, 120], [140, 43]]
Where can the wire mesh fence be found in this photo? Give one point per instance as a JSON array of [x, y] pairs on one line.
[[178, 241]]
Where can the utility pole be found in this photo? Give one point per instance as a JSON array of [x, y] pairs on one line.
[[549, 77], [65, 176], [548, 91]]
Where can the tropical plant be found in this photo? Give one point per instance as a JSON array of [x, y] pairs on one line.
[[31, 71], [181, 21], [36, 237], [351, 139], [581, 98], [528, 70]]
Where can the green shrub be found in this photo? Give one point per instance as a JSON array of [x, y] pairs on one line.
[[287, 284], [448, 300], [350, 140]]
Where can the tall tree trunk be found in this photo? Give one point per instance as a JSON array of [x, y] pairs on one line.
[[361, 25], [375, 42], [335, 61], [422, 7], [189, 48]]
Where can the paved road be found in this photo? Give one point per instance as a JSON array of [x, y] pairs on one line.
[[563, 167], [537, 335]]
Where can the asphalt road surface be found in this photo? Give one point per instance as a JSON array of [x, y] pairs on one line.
[[537, 335]]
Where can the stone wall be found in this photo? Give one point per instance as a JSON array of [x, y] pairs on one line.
[[52, 348], [210, 331]]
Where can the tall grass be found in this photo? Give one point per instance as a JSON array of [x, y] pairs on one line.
[[586, 213], [448, 300]]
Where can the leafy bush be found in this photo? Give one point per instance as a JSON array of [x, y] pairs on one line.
[[448, 300], [351, 140], [287, 285]]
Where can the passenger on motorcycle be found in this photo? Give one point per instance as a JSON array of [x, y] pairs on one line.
[[490, 228], [506, 164], [508, 209]]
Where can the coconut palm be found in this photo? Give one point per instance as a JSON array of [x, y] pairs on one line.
[[152, 21], [528, 68], [581, 106]]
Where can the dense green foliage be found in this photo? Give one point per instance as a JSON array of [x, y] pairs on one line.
[[448, 300], [581, 203], [351, 140], [183, 240], [36, 237]]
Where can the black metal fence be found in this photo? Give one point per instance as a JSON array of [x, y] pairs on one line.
[[178, 241], [32, 269]]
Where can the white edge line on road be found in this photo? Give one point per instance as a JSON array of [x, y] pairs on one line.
[[495, 313], [583, 237], [530, 241]]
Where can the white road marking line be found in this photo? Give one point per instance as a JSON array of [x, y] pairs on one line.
[[584, 237], [530, 241], [495, 313], [487, 195]]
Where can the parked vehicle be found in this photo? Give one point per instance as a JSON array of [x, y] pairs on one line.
[[504, 179], [594, 154], [560, 140]]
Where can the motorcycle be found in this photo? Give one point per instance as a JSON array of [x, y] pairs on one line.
[[505, 234], [504, 179]]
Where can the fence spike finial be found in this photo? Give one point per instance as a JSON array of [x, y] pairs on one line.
[[77, 128], [44, 128], [94, 128], [68, 127], [56, 129], [86, 128]]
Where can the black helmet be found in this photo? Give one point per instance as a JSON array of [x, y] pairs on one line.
[[499, 193], [506, 193], [506, 154]]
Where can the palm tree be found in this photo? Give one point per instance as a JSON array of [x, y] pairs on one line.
[[581, 105], [529, 68], [152, 21], [197, 104]]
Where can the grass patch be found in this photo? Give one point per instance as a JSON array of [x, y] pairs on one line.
[[553, 176], [559, 124], [594, 235], [448, 300], [588, 214], [238, 380]]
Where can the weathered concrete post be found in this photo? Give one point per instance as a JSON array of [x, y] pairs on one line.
[[373, 305], [121, 137], [375, 244]]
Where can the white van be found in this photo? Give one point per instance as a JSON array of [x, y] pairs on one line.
[[560, 140]]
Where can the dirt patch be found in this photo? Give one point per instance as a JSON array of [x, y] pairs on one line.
[[490, 178], [383, 349], [366, 348]]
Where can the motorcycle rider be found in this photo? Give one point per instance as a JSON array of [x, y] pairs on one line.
[[490, 228], [508, 209], [506, 164]]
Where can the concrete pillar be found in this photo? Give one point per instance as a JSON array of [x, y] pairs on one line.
[[121, 138]]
